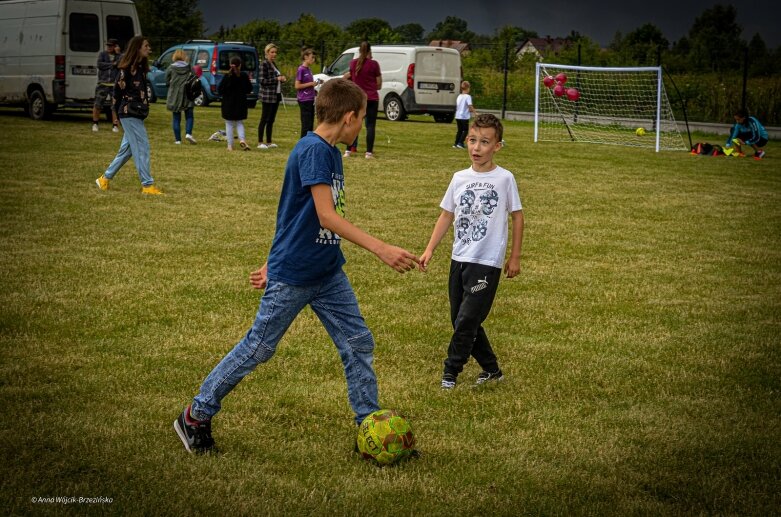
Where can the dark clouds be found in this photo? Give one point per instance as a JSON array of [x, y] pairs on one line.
[[598, 20]]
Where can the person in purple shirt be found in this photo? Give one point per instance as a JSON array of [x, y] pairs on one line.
[[305, 91]]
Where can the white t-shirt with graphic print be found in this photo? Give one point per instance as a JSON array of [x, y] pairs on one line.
[[481, 203]]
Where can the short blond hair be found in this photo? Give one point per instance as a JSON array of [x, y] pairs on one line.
[[269, 47], [465, 85], [336, 98], [180, 55]]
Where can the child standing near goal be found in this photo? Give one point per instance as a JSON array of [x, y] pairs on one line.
[[304, 267], [747, 130], [464, 111], [479, 200]]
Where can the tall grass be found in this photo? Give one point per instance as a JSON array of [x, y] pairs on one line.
[[640, 342]]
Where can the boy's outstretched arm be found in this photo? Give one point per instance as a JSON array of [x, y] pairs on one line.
[[398, 258], [513, 265], [440, 230]]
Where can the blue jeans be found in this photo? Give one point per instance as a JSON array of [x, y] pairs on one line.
[[135, 143], [334, 302], [188, 123]]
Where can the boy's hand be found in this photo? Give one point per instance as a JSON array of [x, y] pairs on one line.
[[512, 267], [398, 258], [425, 259], [258, 278]]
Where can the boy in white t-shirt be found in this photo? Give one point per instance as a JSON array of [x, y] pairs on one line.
[[479, 199], [464, 111]]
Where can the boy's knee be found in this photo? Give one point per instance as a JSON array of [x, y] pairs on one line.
[[262, 353], [363, 343]]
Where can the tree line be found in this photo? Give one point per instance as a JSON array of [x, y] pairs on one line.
[[708, 62], [714, 42]]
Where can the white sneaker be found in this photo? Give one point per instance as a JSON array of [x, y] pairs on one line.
[[272, 146], [346, 154], [178, 142], [190, 139], [115, 129], [262, 146], [369, 156], [94, 128]]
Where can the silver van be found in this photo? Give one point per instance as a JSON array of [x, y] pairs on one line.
[[49, 50], [415, 79]]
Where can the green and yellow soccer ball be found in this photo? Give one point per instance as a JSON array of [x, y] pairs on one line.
[[385, 437], [640, 131]]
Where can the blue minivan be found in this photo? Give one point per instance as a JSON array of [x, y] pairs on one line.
[[214, 59]]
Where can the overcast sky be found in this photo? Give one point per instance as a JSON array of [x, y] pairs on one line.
[[597, 20]]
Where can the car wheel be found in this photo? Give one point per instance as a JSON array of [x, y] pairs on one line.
[[38, 108], [394, 109]]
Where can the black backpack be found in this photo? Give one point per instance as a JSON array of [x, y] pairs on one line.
[[707, 149], [192, 87]]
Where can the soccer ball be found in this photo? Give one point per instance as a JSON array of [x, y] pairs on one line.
[[558, 90], [573, 94], [561, 78], [640, 131], [548, 81], [385, 437]]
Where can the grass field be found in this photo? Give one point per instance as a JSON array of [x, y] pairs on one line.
[[640, 343]]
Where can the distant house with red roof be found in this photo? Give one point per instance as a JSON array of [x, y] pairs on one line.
[[542, 47], [461, 46]]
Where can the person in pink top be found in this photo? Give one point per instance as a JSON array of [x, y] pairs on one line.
[[365, 72]]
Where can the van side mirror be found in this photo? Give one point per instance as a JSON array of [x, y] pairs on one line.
[[327, 70]]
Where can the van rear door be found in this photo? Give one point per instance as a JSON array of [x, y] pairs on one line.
[[83, 41], [88, 25], [437, 74]]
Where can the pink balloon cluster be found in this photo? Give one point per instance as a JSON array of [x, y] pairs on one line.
[[559, 89]]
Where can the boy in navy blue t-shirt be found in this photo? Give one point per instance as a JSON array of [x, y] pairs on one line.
[[304, 267]]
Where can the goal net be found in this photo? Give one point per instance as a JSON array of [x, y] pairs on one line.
[[618, 106]]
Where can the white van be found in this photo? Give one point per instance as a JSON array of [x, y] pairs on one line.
[[415, 79], [49, 50]]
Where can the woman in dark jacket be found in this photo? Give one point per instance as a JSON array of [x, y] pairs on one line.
[[271, 80], [132, 106], [234, 88]]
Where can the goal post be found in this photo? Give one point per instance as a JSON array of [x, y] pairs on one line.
[[604, 105]]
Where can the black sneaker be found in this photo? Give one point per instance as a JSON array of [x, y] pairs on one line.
[[196, 435], [489, 377], [448, 381]]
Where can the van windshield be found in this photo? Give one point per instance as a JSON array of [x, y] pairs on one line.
[[249, 62], [341, 65]]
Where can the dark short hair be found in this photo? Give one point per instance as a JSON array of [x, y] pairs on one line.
[[112, 42], [486, 120], [741, 112], [336, 98]]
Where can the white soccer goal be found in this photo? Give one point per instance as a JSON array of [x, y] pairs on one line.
[[604, 106]]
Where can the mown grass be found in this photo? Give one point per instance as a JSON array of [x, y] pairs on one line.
[[640, 343]]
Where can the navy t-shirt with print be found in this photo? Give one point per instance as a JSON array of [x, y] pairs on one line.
[[303, 252]]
